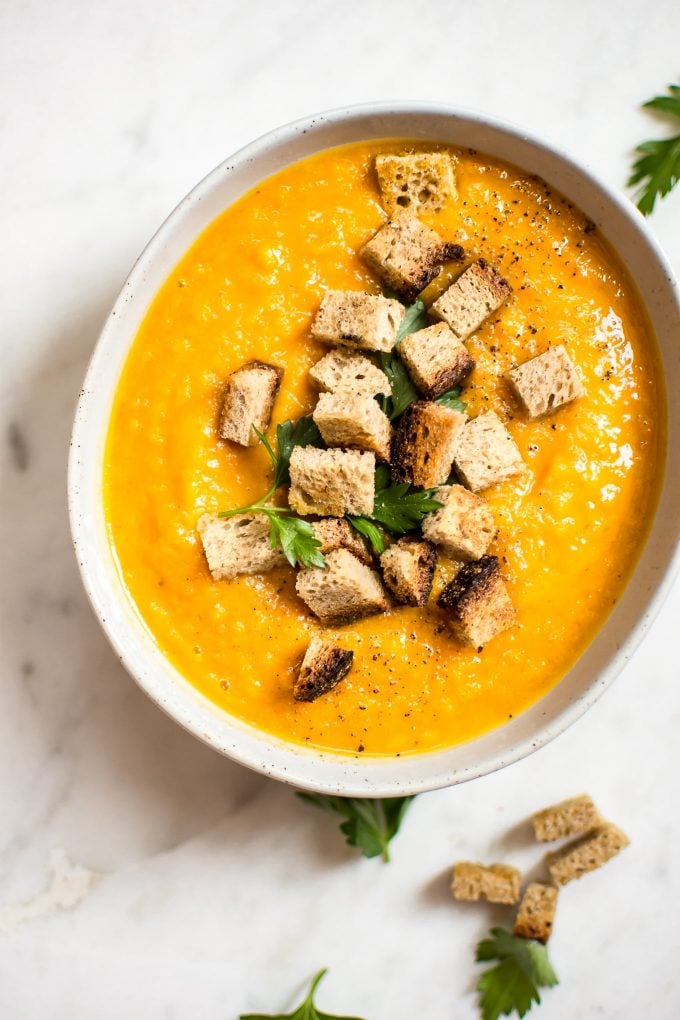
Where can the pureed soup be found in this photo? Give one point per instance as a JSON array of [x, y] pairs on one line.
[[569, 527]]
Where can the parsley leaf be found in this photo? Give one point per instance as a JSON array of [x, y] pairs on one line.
[[512, 985], [296, 538], [369, 824], [369, 530], [657, 169], [288, 435], [305, 1011], [403, 390], [450, 399], [415, 318], [398, 506]]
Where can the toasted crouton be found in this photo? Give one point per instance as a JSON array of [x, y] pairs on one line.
[[248, 400], [435, 359], [424, 443], [354, 421], [477, 293], [331, 483], [323, 667], [586, 854], [344, 371], [419, 180], [338, 533], [408, 568], [536, 912], [238, 545], [361, 321], [477, 604], [407, 255], [486, 453], [497, 883], [463, 527], [568, 818], [342, 591], [546, 382]]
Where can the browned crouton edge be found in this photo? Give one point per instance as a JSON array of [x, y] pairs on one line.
[[328, 667]]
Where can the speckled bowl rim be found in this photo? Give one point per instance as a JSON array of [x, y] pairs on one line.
[[309, 768]]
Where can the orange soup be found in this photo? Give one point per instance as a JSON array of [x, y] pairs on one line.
[[569, 528]]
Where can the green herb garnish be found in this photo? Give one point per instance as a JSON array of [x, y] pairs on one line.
[[398, 507], [512, 985], [403, 391], [657, 168], [288, 435], [369, 824], [450, 399], [370, 531], [295, 536], [415, 318], [305, 1011]]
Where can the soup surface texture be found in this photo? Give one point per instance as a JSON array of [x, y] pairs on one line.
[[569, 529]]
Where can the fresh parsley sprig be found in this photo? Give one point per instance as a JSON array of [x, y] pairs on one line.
[[369, 824], [398, 507], [452, 399], [303, 432], [369, 530], [415, 318], [403, 390], [512, 985], [657, 169], [305, 1011], [295, 536]]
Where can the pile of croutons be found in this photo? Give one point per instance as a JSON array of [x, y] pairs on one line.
[[427, 446], [597, 842]]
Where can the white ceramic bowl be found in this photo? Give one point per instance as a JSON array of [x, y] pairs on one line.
[[326, 772]]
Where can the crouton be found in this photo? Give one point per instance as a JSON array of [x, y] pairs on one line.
[[407, 255], [435, 359], [323, 667], [238, 545], [586, 854], [477, 604], [486, 453], [497, 883], [249, 400], [546, 382], [568, 818], [408, 569], [463, 527], [344, 371], [424, 443], [331, 483], [477, 293], [342, 591], [362, 321], [350, 420], [419, 180], [338, 533], [536, 912]]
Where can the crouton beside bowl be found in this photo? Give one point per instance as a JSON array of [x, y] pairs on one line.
[[360, 774]]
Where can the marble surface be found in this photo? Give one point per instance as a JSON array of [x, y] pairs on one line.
[[141, 875]]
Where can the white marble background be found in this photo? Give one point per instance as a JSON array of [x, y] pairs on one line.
[[216, 891]]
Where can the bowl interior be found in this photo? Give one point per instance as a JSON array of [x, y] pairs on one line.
[[324, 771]]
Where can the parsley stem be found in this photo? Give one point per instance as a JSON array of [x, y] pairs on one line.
[[254, 507]]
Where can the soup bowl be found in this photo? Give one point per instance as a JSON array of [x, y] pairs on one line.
[[324, 771]]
